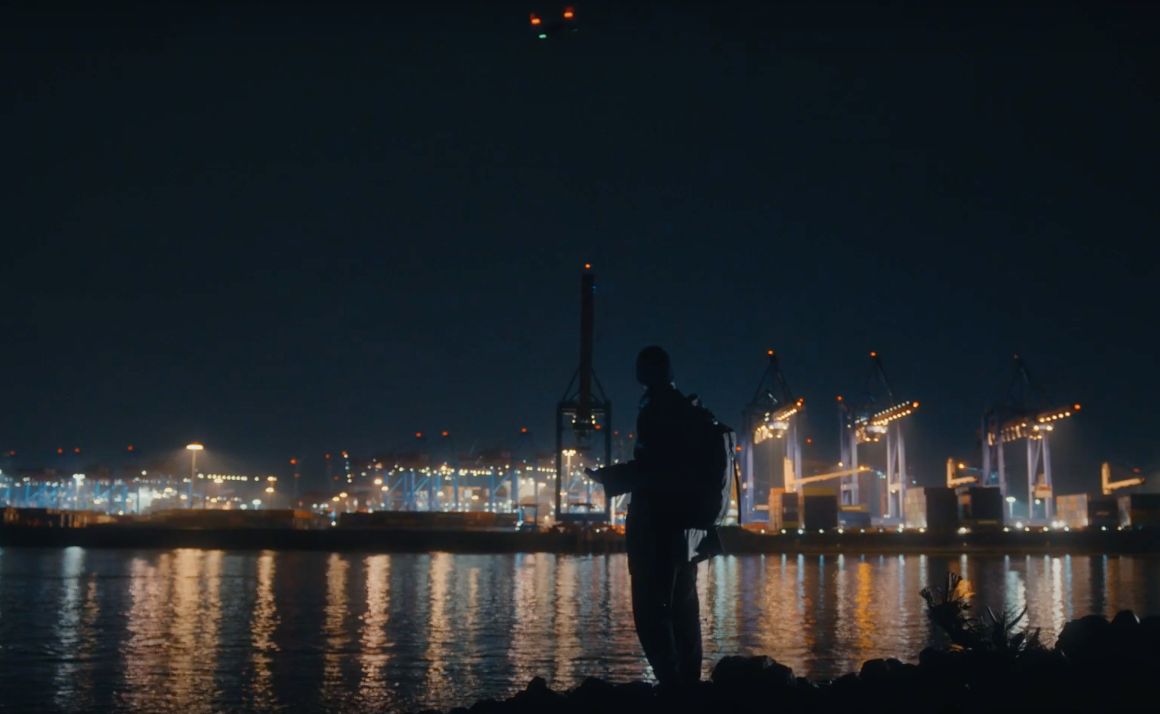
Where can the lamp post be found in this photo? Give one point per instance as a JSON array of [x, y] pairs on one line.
[[567, 484], [193, 449], [1010, 506]]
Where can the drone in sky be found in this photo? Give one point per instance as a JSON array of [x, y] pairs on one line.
[[545, 25]]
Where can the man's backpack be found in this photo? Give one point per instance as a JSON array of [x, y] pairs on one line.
[[712, 469]]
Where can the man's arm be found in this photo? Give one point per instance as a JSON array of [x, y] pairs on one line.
[[616, 479]]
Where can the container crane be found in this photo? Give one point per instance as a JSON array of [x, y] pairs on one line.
[[771, 416], [1023, 414], [959, 474], [583, 426], [843, 473], [1107, 485], [878, 417]]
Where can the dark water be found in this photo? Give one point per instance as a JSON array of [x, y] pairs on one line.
[[197, 631]]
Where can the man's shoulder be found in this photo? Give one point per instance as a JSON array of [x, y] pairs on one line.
[[669, 398]]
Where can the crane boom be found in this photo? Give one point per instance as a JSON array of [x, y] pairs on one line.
[[1108, 485], [832, 475]]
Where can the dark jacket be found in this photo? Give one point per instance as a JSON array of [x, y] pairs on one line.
[[661, 443]]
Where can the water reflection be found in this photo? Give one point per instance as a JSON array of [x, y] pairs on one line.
[[189, 630], [68, 628], [334, 630], [264, 621], [373, 653]]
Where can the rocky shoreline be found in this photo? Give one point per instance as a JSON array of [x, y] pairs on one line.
[[1096, 665]]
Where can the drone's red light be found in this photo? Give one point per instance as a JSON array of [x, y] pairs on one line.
[[535, 20], [569, 13]]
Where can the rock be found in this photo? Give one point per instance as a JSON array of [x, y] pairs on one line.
[[593, 694], [874, 669], [737, 671], [939, 663], [1150, 634], [634, 696], [688, 697], [536, 697], [1086, 638]]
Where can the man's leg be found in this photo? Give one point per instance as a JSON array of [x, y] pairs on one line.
[[652, 612], [687, 622]]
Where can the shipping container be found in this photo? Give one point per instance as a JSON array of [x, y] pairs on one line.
[[1082, 510], [980, 507], [784, 510], [853, 517], [819, 511], [934, 508], [1072, 509], [1139, 510]]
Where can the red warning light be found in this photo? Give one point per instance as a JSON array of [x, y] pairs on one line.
[[418, 435], [76, 449], [769, 352], [569, 13], [327, 457], [523, 430], [535, 20], [1076, 407], [129, 447], [809, 439], [839, 397], [446, 433], [59, 450], [12, 452], [598, 427], [293, 460], [588, 266], [874, 355]]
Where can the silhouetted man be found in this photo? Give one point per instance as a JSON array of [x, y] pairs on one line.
[[662, 556]]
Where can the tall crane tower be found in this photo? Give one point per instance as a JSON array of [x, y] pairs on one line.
[[583, 426], [879, 416], [771, 416], [1024, 413]]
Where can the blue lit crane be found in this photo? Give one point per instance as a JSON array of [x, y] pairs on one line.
[[1023, 414], [878, 416], [772, 415], [583, 426]]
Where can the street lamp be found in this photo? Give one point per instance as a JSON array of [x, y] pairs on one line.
[[193, 449], [1010, 506]]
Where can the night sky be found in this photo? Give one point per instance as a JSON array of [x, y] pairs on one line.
[[286, 229]]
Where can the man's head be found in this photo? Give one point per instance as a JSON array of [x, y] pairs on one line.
[[653, 368]]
